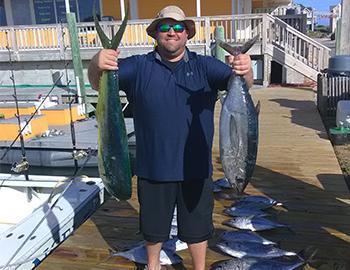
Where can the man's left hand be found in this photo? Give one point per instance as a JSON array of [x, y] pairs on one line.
[[242, 64]]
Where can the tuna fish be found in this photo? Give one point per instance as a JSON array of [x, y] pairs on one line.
[[304, 257], [223, 183], [138, 254], [244, 212], [250, 249], [253, 223], [257, 264], [245, 236], [238, 127], [259, 199], [113, 154], [253, 205]]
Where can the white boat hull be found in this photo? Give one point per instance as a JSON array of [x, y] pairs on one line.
[[29, 231]]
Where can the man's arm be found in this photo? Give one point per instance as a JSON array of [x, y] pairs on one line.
[[105, 59], [242, 65]]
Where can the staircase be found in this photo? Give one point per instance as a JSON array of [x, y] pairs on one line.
[[279, 42], [293, 49]]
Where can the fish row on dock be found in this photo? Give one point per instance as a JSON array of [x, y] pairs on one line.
[[249, 250]]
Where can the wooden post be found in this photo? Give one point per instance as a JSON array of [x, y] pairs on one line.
[[198, 8], [267, 58], [122, 9], [207, 36], [267, 70], [75, 50], [322, 94], [337, 37], [344, 39], [60, 40], [219, 35]]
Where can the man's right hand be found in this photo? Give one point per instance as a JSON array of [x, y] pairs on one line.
[[106, 59]]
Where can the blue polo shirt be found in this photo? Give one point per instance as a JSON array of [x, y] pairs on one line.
[[173, 113]]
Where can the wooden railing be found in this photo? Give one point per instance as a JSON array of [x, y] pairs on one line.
[[237, 29], [296, 44], [330, 90]]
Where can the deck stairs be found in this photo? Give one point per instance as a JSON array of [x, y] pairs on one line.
[[293, 49], [279, 42]]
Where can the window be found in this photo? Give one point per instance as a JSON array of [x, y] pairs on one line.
[[54, 11], [85, 9], [21, 12], [44, 11], [61, 9], [2, 13]]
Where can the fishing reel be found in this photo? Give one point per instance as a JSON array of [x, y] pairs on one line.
[[20, 166], [80, 154]]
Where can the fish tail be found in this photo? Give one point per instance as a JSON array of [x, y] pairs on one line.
[[238, 186], [288, 228], [115, 41], [111, 253], [258, 107], [307, 256]]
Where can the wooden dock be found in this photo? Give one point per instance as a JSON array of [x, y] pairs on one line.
[[296, 164]]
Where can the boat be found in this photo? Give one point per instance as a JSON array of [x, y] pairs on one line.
[[54, 147], [39, 212]]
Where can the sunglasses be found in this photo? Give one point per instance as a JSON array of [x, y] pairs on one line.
[[177, 27]]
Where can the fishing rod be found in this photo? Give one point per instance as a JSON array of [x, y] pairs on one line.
[[23, 165], [68, 81], [31, 117]]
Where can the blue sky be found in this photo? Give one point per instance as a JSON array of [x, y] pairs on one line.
[[319, 5]]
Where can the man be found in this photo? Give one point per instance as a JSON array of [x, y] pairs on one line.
[[173, 92]]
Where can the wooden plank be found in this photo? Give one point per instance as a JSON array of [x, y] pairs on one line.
[[296, 164]]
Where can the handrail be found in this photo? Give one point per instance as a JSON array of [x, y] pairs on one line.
[[296, 32], [297, 44]]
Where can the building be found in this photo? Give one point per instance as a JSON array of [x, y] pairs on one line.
[[293, 9], [336, 14], [31, 12]]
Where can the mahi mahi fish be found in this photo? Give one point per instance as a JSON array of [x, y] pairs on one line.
[[113, 154], [238, 127]]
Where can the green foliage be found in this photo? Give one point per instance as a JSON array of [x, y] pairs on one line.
[[2, 116], [317, 34], [322, 29]]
